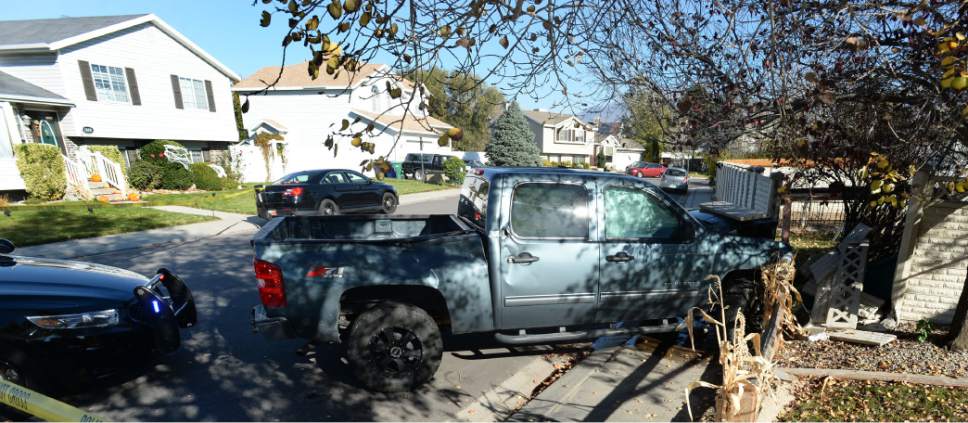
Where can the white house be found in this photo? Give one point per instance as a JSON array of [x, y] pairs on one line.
[[619, 152], [304, 112], [561, 138], [109, 80]]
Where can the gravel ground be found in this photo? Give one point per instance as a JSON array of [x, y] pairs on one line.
[[904, 355]]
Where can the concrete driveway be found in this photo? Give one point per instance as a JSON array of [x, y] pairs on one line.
[[225, 372]]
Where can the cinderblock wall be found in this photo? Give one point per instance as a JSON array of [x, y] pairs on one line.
[[932, 282]]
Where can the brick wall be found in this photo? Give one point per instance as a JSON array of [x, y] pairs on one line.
[[933, 279]]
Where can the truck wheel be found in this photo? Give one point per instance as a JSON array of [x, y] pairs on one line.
[[394, 347], [740, 294], [328, 207], [419, 175], [389, 204]]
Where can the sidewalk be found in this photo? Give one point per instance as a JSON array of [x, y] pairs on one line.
[[642, 383]]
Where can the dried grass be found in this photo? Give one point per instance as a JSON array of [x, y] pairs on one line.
[[4, 201], [744, 370]]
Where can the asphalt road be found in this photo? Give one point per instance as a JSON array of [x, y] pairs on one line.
[[225, 372]]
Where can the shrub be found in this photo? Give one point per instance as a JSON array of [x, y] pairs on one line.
[[455, 169], [205, 177], [547, 163], [145, 175], [155, 151], [586, 165], [175, 177], [42, 169], [112, 153]]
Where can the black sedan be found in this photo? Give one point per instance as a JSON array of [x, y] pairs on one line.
[[63, 321], [325, 192]]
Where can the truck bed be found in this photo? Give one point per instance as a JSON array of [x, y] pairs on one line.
[[359, 228]]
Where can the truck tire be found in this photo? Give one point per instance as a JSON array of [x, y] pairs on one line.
[[419, 175], [741, 294], [394, 347], [389, 204], [328, 207]]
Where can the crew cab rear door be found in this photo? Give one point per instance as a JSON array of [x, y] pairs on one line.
[[650, 262], [548, 259]]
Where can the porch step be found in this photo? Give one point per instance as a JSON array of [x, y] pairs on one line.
[[111, 198], [97, 185], [104, 191]]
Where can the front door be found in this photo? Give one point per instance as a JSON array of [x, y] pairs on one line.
[[549, 264], [649, 260], [363, 195]]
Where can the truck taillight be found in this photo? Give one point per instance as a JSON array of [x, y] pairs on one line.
[[271, 290]]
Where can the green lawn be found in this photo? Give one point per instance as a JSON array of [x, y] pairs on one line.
[[31, 225], [877, 401], [243, 201]]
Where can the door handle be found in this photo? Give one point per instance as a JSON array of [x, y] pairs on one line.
[[619, 257], [523, 258]]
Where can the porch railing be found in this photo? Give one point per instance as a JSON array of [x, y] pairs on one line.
[[108, 170], [77, 177]]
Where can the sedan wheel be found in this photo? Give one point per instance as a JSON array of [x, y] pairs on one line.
[[389, 203], [328, 208]]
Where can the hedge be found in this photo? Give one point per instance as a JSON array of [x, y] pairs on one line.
[[112, 153], [42, 169], [175, 177], [454, 170], [205, 177], [145, 175], [155, 151]]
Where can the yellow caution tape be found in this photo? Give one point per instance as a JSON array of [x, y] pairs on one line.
[[42, 406]]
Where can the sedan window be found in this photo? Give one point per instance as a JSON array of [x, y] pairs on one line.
[[293, 178], [333, 178], [355, 178]]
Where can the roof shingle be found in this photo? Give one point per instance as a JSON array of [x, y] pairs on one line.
[[297, 76], [46, 31], [409, 123], [16, 88]]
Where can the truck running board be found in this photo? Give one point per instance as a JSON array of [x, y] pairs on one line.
[[550, 338]]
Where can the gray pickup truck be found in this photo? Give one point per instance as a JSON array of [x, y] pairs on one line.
[[533, 256]]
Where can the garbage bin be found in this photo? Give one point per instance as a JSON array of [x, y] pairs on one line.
[[397, 169]]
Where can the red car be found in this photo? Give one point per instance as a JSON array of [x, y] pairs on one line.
[[645, 170]]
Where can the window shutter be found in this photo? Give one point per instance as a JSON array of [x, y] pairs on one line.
[[176, 89], [133, 86], [208, 93], [87, 80]]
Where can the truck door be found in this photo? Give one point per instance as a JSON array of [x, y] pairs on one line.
[[549, 264], [648, 256]]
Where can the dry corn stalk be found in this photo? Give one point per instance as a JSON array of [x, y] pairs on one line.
[[778, 288], [742, 371]]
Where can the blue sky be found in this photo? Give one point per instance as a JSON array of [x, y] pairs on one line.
[[227, 29]]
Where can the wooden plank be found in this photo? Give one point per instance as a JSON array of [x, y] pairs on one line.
[[861, 337], [875, 376]]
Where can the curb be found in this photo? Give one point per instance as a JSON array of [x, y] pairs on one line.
[[499, 403], [873, 376], [417, 197]]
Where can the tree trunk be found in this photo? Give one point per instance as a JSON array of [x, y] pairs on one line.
[[958, 335]]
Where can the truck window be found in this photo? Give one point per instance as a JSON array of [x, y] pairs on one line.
[[635, 214], [473, 200], [540, 210]]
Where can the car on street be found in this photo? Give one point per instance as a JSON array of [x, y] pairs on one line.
[[675, 179], [63, 321], [324, 192], [645, 170], [421, 166], [533, 256]]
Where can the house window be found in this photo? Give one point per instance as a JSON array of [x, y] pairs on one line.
[[110, 83], [193, 93], [571, 135], [197, 156], [580, 159]]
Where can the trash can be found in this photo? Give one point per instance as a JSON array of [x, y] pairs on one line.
[[397, 169]]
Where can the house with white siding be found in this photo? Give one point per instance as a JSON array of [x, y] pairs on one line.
[[109, 80], [561, 138], [304, 112]]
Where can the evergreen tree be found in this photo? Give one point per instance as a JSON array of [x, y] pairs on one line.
[[512, 142]]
